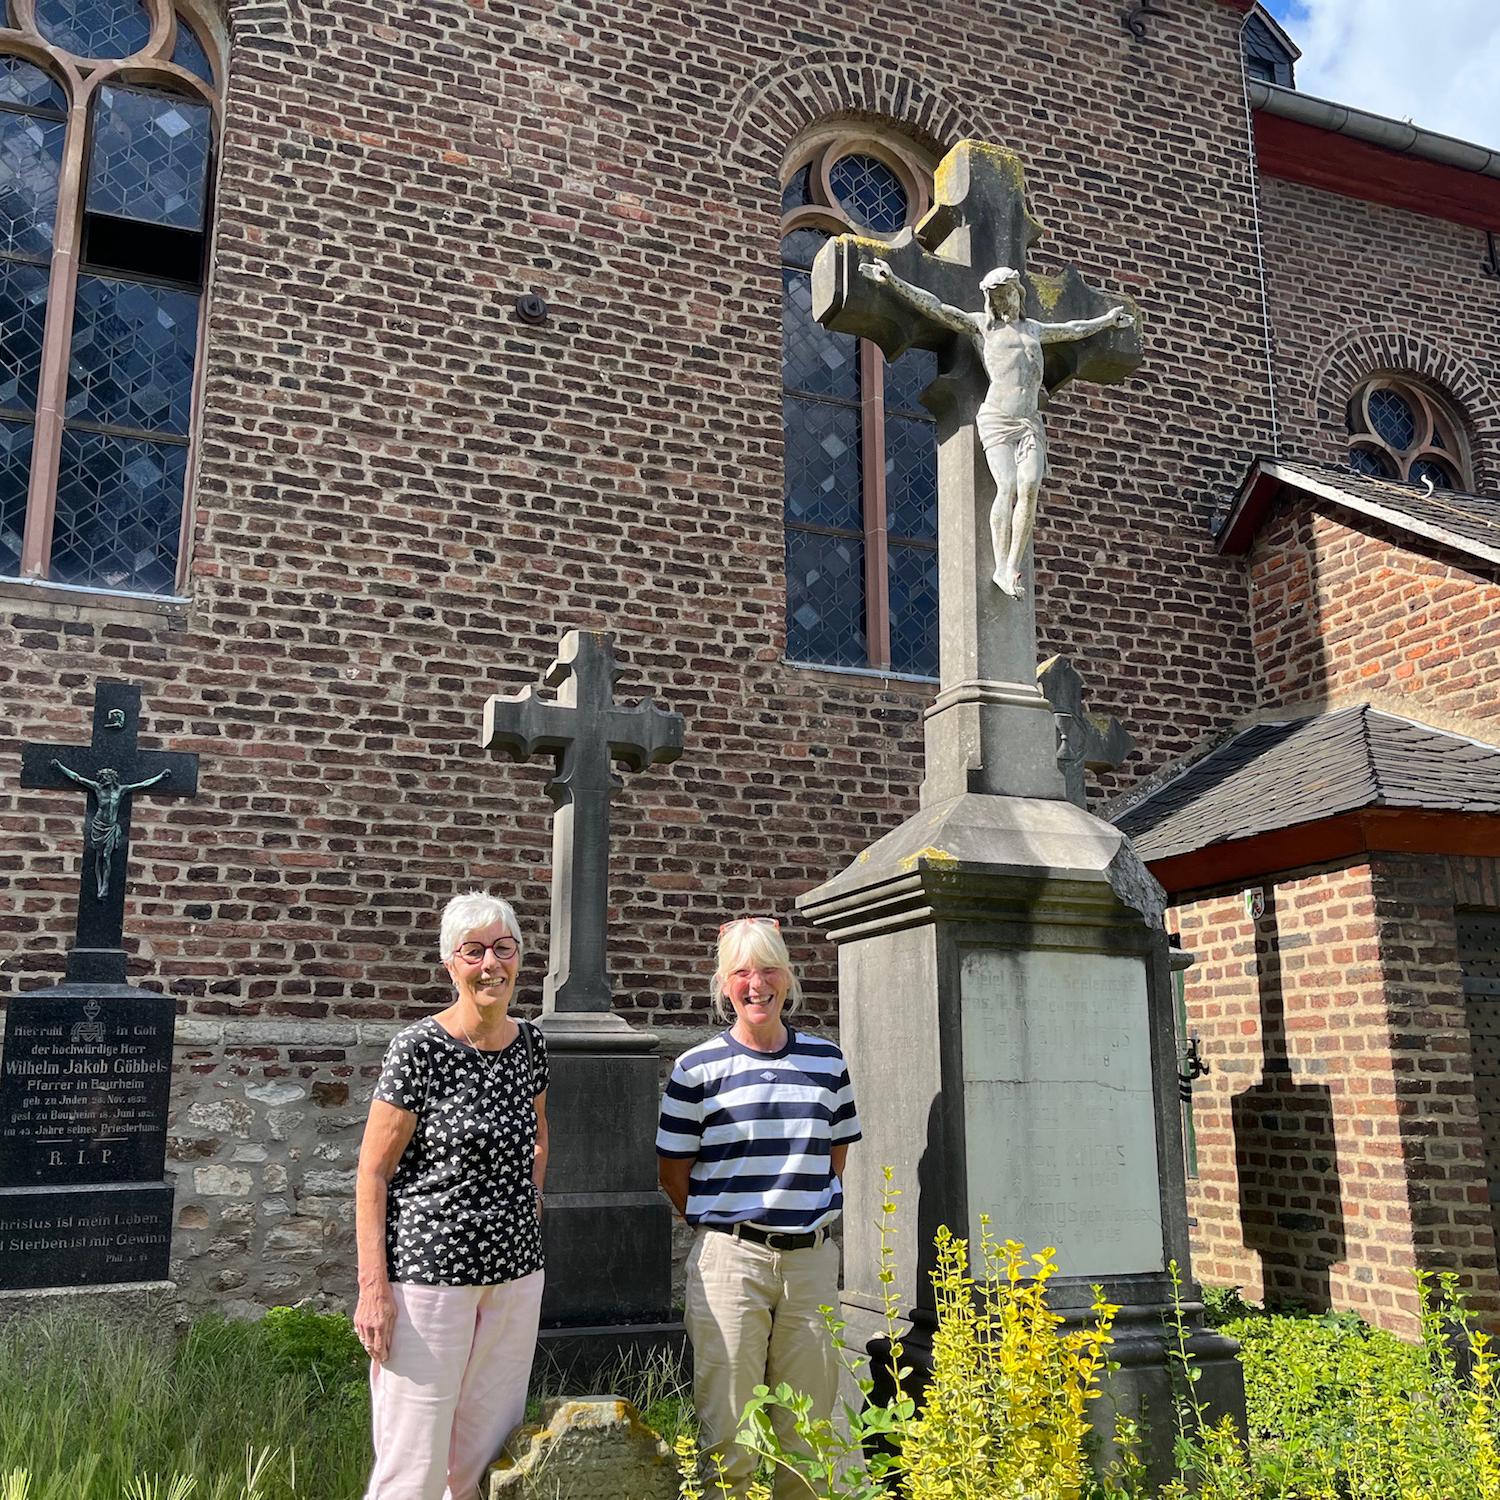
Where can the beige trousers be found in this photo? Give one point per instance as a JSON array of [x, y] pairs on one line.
[[752, 1315]]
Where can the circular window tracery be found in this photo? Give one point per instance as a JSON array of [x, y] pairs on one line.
[[845, 178], [869, 192], [1398, 430]]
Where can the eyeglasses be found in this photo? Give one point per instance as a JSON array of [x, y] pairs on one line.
[[771, 922], [504, 949]]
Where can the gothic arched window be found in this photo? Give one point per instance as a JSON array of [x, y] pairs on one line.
[[861, 456], [1398, 430], [107, 113]]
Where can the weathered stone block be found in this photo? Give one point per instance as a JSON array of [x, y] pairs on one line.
[[298, 1238], [595, 1448], [324, 1184], [275, 1093], [222, 1182], [232, 1116]]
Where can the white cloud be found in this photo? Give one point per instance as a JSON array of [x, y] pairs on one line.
[[1435, 63]]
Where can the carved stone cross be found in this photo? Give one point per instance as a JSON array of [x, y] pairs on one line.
[[1083, 741], [990, 729], [584, 730], [111, 770]]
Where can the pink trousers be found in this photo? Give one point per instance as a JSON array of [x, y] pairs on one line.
[[453, 1388]]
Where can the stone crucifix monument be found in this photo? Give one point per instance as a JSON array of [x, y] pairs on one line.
[[1004, 982], [87, 1067], [607, 1228]]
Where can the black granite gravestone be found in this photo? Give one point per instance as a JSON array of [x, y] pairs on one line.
[[87, 1066], [608, 1230]]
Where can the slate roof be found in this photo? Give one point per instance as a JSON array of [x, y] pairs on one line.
[[1457, 518], [1277, 775]]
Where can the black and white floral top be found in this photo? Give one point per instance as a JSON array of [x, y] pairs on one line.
[[462, 1209]]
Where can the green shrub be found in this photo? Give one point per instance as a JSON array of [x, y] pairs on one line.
[[1339, 1409]]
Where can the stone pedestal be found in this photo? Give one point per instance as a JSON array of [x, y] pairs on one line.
[[607, 1229], [84, 1083], [1006, 1009], [153, 1308]]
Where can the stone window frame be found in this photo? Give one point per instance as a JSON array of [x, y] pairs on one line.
[[80, 79], [1441, 435], [821, 148]]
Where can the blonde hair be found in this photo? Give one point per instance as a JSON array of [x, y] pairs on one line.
[[758, 942], [468, 913]]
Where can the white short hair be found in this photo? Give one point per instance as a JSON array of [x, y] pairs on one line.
[[468, 913]]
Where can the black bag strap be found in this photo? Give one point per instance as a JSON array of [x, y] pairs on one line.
[[525, 1029]]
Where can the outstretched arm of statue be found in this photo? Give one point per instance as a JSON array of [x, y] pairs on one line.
[[137, 786], [940, 312], [57, 765], [1063, 333]]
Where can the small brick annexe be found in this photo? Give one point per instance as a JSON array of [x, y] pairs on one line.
[[404, 495]]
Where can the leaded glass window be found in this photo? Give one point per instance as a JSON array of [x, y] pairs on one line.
[[860, 450], [1400, 430], [100, 316]]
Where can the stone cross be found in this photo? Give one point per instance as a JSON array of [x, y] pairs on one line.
[[990, 730], [1083, 742], [583, 730], [110, 768]]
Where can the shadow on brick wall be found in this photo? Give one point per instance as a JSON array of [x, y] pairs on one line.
[[1291, 1200]]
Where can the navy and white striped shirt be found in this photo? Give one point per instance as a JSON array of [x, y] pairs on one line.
[[760, 1127]]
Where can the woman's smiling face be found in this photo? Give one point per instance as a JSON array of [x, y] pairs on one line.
[[756, 991], [489, 980]]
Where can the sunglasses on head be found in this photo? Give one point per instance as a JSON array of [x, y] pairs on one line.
[[772, 922]]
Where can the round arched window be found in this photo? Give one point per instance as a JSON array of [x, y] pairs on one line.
[[1398, 430]]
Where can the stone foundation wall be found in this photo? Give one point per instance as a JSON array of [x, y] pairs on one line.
[[263, 1141]]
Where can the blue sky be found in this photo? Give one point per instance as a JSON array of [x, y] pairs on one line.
[[1434, 62]]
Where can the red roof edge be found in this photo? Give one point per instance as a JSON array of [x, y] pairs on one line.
[[1336, 163], [1376, 830], [1256, 494]]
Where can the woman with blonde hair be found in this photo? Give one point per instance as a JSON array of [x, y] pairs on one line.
[[448, 1207], [755, 1128]]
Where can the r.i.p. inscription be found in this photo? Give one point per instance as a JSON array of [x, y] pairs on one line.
[[84, 1091]]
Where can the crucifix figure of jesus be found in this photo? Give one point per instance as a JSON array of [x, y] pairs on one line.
[[111, 768], [990, 730], [105, 834], [1009, 418]]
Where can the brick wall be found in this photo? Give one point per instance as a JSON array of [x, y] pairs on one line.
[[1355, 289], [1338, 1139], [1346, 609], [404, 495]]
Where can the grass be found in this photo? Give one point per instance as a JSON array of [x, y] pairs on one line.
[[274, 1410]]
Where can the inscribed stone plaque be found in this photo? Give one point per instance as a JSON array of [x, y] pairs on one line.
[[84, 1086], [96, 1238], [1058, 1107]]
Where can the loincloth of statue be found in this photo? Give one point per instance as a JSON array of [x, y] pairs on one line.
[[1000, 430]]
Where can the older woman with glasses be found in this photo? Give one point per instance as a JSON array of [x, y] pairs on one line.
[[448, 1208], [755, 1128]]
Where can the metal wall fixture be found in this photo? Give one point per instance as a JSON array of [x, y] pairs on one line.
[[531, 308], [1134, 19]]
